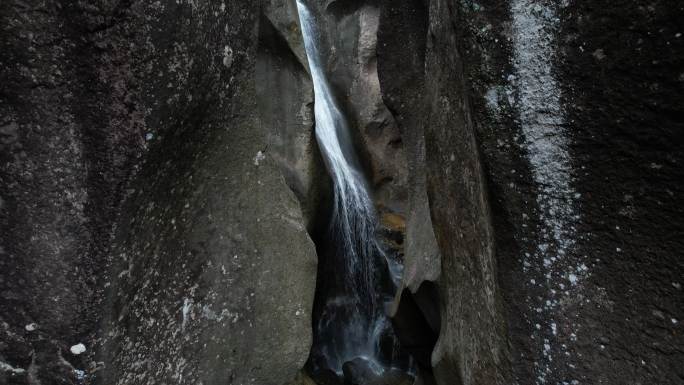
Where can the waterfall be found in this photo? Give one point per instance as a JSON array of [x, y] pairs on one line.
[[352, 320]]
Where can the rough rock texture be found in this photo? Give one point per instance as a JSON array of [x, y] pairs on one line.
[[70, 134], [487, 51], [525, 156], [214, 272], [600, 306], [471, 346], [472, 343], [211, 253], [575, 115], [587, 262], [401, 62], [284, 17], [401, 69], [621, 69], [302, 379], [285, 104]]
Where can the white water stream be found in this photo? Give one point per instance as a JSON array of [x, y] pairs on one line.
[[353, 321]]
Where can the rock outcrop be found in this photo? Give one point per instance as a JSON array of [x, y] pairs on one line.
[[213, 272], [71, 132], [471, 348], [568, 117], [558, 229], [210, 252], [285, 105]]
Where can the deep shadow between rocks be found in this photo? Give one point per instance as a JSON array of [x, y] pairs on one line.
[[417, 322]]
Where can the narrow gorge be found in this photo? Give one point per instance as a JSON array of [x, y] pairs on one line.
[[341, 192], [350, 322]]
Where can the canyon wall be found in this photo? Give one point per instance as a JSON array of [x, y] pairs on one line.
[[154, 105], [567, 103], [72, 133], [161, 186], [437, 116]]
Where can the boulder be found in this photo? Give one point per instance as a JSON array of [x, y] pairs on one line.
[[213, 272]]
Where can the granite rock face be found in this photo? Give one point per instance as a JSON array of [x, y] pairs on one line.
[[571, 107], [285, 105], [472, 342], [620, 70], [71, 133], [213, 272], [191, 263]]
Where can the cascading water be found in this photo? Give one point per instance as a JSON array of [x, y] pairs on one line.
[[351, 319]]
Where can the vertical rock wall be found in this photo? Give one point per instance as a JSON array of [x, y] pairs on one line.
[[572, 110], [285, 104], [211, 273], [620, 66], [71, 131], [401, 62], [587, 270], [472, 341]]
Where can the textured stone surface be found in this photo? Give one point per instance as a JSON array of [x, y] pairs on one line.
[[70, 134], [401, 49], [284, 17], [449, 176], [207, 106], [471, 346], [401, 61], [620, 68], [213, 272], [616, 92], [196, 288], [285, 104], [612, 319]]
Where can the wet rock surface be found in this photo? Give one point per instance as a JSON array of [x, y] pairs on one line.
[[609, 109], [349, 32], [359, 372], [358, 258], [285, 105]]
